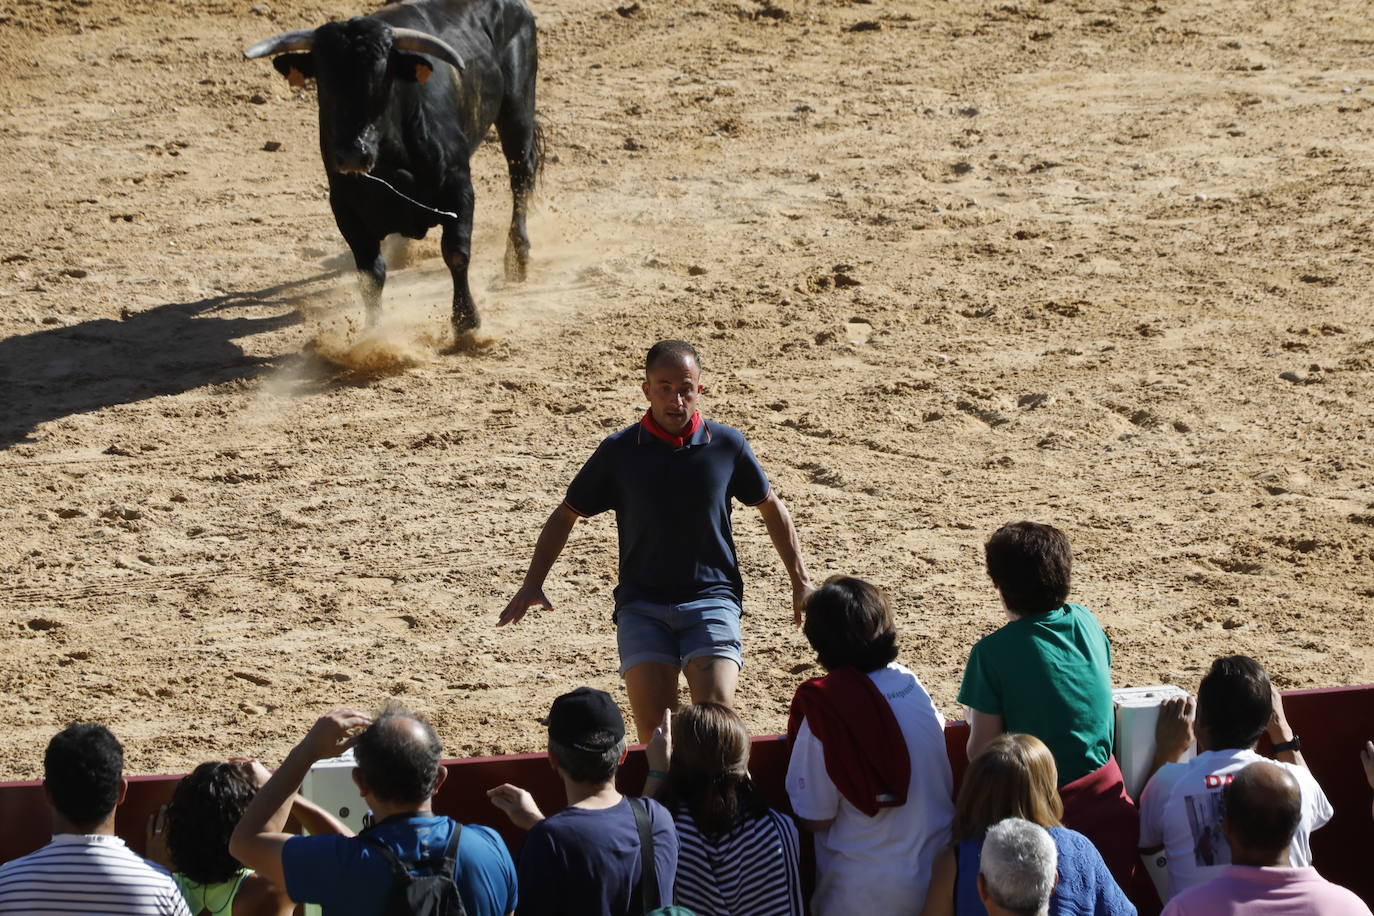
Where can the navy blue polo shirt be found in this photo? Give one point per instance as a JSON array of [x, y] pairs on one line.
[[672, 509]]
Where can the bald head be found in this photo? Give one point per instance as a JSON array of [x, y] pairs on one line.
[[1263, 807], [399, 756]]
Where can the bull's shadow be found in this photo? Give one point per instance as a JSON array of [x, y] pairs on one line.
[[168, 349]]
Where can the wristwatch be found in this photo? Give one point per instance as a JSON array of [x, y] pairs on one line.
[[1293, 744]]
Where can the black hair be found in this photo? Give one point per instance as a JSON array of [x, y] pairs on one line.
[[1030, 564], [1236, 701], [206, 807], [849, 622], [82, 771], [676, 350], [1262, 814], [400, 765], [591, 767]]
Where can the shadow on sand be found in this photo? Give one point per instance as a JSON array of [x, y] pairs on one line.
[[168, 349]]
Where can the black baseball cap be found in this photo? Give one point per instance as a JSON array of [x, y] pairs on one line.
[[586, 720]]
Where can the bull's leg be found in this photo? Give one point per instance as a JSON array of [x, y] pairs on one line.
[[371, 279], [522, 142], [367, 257], [456, 245]]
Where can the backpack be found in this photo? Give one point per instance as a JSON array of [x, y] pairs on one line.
[[648, 867], [422, 895]]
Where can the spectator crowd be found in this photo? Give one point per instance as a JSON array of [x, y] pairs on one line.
[[1042, 822]]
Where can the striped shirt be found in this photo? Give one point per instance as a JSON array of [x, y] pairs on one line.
[[77, 874], [751, 870]]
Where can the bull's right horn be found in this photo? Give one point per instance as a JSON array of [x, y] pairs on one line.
[[299, 40], [424, 43]]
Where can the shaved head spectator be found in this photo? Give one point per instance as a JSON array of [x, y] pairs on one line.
[[399, 770], [1263, 808]]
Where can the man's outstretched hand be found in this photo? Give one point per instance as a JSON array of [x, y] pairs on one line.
[[800, 592], [517, 803], [526, 598]]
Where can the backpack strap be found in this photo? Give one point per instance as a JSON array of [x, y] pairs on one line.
[[648, 872], [451, 852], [400, 873]]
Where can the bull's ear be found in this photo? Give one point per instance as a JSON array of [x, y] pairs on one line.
[[297, 68], [411, 67]]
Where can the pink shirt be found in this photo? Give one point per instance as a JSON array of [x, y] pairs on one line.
[[1246, 890]]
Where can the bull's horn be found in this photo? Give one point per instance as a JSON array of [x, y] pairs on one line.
[[424, 43], [299, 40]]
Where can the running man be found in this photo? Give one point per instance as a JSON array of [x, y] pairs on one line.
[[670, 478]]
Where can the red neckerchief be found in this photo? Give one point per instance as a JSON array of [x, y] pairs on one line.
[[688, 431]]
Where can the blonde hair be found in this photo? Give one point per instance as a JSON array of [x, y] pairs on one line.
[[1014, 776]]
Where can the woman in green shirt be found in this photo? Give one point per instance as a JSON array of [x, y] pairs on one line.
[[191, 836]]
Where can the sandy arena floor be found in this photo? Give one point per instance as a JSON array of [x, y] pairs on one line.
[[1094, 262]]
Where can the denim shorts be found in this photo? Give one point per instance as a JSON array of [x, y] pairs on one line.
[[674, 634]]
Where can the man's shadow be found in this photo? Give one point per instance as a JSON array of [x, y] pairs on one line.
[[168, 349]]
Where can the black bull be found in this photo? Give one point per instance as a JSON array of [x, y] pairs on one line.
[[406, 95]]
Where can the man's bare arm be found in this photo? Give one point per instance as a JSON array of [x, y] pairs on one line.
[[312, 817], [781, 531], [316, 820], [546, 550], [1173, 732], [1280, 731], [258, 839]]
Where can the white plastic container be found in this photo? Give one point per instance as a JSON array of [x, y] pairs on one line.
[[1137, 711], [329, 784]]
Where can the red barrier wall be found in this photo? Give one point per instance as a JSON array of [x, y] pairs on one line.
[[1334, 723]]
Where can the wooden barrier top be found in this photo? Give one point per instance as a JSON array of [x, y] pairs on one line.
[[1333, 722]]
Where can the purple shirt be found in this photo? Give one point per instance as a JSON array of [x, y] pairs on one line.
[[1247, 890]]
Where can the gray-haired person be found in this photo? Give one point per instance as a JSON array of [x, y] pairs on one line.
[[1017, 871]]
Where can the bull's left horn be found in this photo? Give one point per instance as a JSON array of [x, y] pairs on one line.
[[299, 40], [424, 43]]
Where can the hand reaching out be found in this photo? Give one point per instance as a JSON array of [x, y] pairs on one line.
[[517, 803], [659, 751], [155, 840], [800, 592], [526, 598]]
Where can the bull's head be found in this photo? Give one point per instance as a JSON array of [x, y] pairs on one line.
[[354, 64]]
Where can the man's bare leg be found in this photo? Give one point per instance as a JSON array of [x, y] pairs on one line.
[[652, 687], [712, 679]]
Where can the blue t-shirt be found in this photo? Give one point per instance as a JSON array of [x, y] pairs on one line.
[[672, 508], [349, 875], [585, 862], [1084, 888]]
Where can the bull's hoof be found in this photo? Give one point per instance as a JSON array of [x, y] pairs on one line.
[[469, 342], [465, 337], [463, 322]]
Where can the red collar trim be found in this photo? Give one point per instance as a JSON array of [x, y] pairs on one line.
[[678, 441]]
